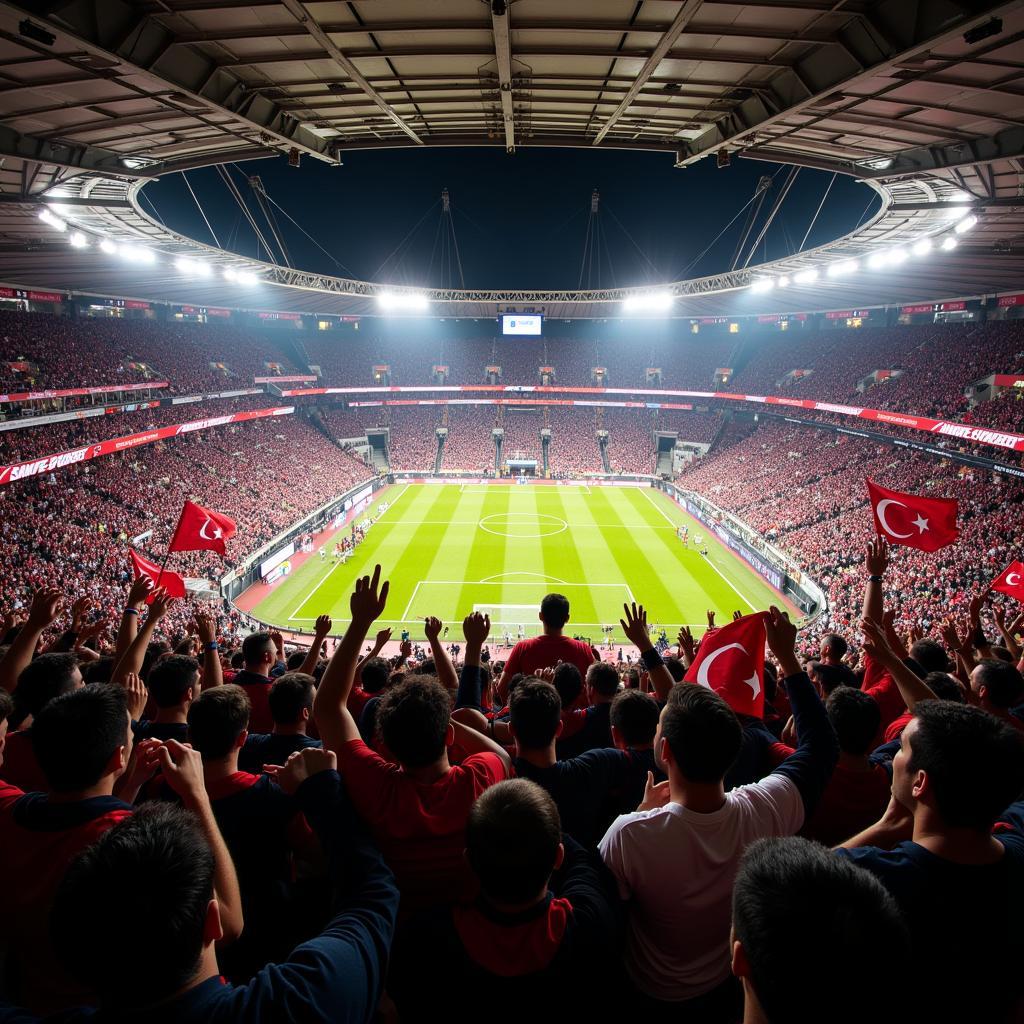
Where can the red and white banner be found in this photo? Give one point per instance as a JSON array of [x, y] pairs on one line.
[[19, 293], [279, 316], [31, 396], [304, 378], [1009, 380], [1011, 300], [520, 402], [61, 460]]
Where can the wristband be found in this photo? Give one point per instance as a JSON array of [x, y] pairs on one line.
[[651, 658], [131, 611], [874, 578], [212, 646]]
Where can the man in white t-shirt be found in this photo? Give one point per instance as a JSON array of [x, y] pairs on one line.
[[676, 857]]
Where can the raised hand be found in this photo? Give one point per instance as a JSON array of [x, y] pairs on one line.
[[711, 619], [634, 625], [687, 646], [79, 610], [876, 643], [781, 636], [476, 628], [161, 603], [324, 625], [45, 608], [137, 694], [369, 599], [432, 627], [405, 649], [182, 768], [303, 764], [278, 643], [656, 794], [737, 615], [383, 636], [205, 626], [876, 556], [139, 591]]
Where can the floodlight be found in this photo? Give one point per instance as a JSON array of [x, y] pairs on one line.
[[843, 267], [966, 224], [922, 247], [408, 301], [762, 284], [50, 218], [78, 240], [949, 243], [108, 247], [647, 302], [805, 276]]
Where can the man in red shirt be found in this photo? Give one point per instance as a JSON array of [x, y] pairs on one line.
[[548, 649], [416, 808], [262, 653]]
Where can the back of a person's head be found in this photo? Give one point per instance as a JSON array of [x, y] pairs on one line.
[[1004, 685], [427, 667], [676, 669], [255, 647], [855, 717], [535, 711], [99, 671], [603, 679], [44, 678], [6, 706], [831, 677], [162, 858], [804, 918], [973, 760], [76, 735], [945, 687], [930, 655], [290, 695], [155, 650], [512, 839], [634, 716], [171, 679], [554, 610], [294, 661], [568, 681], [237, 661], [835, 645], [216, 719], [413, 720], [374, 674], [702, 732]]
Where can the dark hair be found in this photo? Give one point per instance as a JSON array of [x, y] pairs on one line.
[[512, 838], [155, 650], [945, 687], [1004, 685], [374, 674], [216, 718], [856, 718], [159, 855], [295, 660], [6, 705], [171, 679], [676, 669], [237, 660], [974, 761], [831, 677], [634, 716], [603, 678], [412, 719], [99, 670], [535, 711], [804, 917], [554, 611], [836, 644], [930, 655], [75, 736], [515, 682], [255, 645], [42, 679], [568, 682], [289, 696], [702, 732], [427, 667]]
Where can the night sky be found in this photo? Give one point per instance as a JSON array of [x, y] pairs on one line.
[[520, 221]]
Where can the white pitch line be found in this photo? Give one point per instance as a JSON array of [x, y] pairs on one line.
[[743, 597], [395, 502], [405, 614], [406, 622]]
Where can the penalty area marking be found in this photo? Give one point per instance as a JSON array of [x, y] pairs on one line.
[[536, 575]]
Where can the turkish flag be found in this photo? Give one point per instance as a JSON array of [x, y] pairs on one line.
[[912, 520], [1010, 581], [171, 581], [201, 529], [730, 661]]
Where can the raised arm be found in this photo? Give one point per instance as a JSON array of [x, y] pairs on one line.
[[876, 561], [129, 626], [206, 630], [46, 607], [132, 659], [877, 645], [445, 669], [1008, 631], [634, 625], [330, 707], [324, 625], [475, 628], [472, 741]]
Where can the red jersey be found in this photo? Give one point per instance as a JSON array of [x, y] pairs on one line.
[[257, 689], [852, 800], [530, 656], [419, 826], [20, 767]]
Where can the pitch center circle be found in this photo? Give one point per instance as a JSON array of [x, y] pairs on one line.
[[523, 525]]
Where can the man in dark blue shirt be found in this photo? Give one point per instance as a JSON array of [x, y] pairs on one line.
[[291, 705]]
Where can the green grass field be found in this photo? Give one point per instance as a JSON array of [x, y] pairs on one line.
[[451, 549]]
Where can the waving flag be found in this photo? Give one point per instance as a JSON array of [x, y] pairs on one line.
[[201, 529], [142, 566], [926, 524], [1010, 581], [730, 661]]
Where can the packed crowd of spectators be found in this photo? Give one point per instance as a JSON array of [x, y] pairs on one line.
[[413, 438], [573, 448], [469, 445]]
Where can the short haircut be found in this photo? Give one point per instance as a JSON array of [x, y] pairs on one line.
[[634, 716], [855, 717], [676, 669], [216, 719], [237, 660], [554, 611], [836, 645], [43, 679], [1003, 684], [155, 650], [604, 678], [6, 705], [535, 711], [171, 679], [290, 694], [98, 671], [413, 720], [75, 736], [162, 858], [945, 687], [512, 838], [974, 761], [804, 917], [930, 655], [831, 677], [255, 645], [374, 674], [702, 732], [568, 682], [295, 660]]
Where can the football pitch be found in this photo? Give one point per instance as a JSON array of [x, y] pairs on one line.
[[451, 549]]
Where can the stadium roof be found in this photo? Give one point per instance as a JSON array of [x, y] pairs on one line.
[[922, 101]]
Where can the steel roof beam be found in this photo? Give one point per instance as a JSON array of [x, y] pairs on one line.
[[503, 58]]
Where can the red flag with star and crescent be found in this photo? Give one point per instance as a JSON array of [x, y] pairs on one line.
[[1010, 581], [201, 529], [170, 581], [913, 520], [730, 661]]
